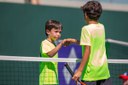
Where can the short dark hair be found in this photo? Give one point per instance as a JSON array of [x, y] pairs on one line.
[[50, 24], [92, 9]]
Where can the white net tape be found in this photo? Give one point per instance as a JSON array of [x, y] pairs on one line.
[[39, 59]]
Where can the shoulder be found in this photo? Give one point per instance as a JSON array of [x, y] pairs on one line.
[[44, 42], [87, 28], [101, 24]]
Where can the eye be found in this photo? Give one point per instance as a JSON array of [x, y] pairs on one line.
[[56, 31], [60, 32]]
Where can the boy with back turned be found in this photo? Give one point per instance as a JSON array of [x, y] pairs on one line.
[[93, 68]]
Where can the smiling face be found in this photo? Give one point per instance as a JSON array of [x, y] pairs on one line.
[[54, 34]]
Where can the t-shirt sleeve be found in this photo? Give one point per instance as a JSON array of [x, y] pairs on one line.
[[85, 37], [45, 48]]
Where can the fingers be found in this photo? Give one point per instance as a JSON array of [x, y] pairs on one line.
[[77, 75], [71, 40], [76, 78], [63, 42], [68, 41]]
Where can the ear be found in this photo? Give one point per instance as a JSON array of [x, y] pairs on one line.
[[47, 31], [86, 17]]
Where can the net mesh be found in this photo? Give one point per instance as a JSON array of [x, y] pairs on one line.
[[18, 73], [16, 70], [117, 69]]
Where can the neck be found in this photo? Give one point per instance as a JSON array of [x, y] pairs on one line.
[[50, 40], [92, 22]]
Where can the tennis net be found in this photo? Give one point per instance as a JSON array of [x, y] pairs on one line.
[[19, 70]]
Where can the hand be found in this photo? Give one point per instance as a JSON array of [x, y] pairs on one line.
[[67, 42], [64, 42], [71, 40], [77, 75]]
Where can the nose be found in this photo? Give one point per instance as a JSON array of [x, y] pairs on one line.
[[59, 34]]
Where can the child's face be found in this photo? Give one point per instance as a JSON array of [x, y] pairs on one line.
[[54, 34]]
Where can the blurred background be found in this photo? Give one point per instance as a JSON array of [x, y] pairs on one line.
[[22, 30]]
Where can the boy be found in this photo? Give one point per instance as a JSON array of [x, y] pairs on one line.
[[94, 65], [49, 70]]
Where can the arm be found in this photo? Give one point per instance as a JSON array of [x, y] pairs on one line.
[[56, 49], [71, 40], [82, 64], [64, 42]]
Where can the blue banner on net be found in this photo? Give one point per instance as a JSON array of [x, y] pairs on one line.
[[72, 51]]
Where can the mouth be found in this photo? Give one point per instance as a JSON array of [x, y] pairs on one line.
[[55, 38]]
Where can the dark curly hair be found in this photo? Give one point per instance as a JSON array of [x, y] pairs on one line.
[[92, 9]]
